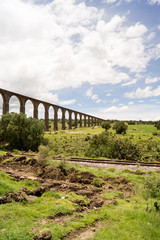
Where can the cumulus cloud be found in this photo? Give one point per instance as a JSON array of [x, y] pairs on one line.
[[65, 43], [150, 80], [152, 2], [134, 112], [115, 109], [144, 93]]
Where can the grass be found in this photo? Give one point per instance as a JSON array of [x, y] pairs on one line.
[[128, 220], [8, 185]]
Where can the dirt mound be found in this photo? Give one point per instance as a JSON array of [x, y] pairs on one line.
[[22, 195], [81, 177]]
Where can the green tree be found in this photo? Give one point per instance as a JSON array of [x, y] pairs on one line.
[[106, 125], [120, 127], [21, 132]]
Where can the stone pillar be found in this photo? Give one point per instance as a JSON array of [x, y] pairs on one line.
[[5, 104], [35, 110], [46, 117], [75, 120], [63, 119], [92, 121], [80, 120], [22, 105], [55, 119], [84, 120], [88, 121], [70, 120]]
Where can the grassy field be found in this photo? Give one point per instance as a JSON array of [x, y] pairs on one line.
[[75, 142], [130, 218], [121, 217]]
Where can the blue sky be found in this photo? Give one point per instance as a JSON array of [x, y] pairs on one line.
[[99, 57]]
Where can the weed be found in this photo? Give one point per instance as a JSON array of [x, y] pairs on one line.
[[97, 182], [111, 169]]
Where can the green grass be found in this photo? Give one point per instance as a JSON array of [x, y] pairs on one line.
[[74, 142], [128, 220], [8, 185]]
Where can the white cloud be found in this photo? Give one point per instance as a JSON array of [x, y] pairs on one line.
[[94, 97], [152, 2], [114, 109], [130, 103], [115, 100], [64, 44], [150, 80], [117, 2], [144, 93], [68, 102], [89, 93], [108, 94], [135, 112], [129, 83]]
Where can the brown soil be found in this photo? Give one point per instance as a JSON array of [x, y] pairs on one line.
[[62, 180], [86, 232]]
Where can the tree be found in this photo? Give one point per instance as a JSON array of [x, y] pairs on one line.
[[106, 125], [21, 132], [157, 125], [120, 127]]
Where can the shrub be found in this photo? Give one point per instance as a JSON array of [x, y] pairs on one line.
[[45, 155], [120, 127], [107, 145], [20, 132], [106, 125], [152, 187]]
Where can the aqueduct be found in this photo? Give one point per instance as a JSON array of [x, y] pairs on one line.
[[87, 120]]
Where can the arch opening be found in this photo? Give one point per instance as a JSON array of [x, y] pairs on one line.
[[66, 119], [14, 104], [51, 118], [29, 108], [41, 111], [59, 114]]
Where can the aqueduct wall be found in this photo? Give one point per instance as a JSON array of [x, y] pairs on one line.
[[87, 119]]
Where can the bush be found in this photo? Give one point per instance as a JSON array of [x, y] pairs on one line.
[[107, 145], [45, 155], [20, 132], [120, 127], [152, 187], [106, 125]]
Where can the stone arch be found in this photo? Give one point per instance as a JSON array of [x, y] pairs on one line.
[[41, 111], [14, 104], [72, 119], [67, 119], [51, 118], [78, 120], [59, 117], [29, 108]]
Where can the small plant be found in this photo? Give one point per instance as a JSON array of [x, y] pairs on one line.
[[111, 169], [138, 172], [126, 171], [97, 182], [152, 186], [45, 155]]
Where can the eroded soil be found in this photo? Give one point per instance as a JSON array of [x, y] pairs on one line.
[[59, 179]]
